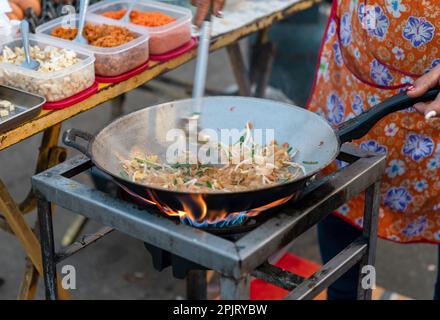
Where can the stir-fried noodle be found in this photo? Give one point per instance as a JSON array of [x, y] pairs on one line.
[[257, 166]]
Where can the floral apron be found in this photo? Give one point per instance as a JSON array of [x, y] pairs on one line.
[[373, 49]]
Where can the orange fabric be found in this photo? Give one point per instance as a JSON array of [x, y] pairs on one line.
[[372, 50]]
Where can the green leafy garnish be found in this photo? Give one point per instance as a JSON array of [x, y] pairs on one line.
[[310, 162], [241, 140], [124, 175], [289, 150], [198, 184], [181, 165], [147, 162], [209, 184], [175, 181]]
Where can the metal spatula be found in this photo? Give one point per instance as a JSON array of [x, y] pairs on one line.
[[81, 22], [28, 63]]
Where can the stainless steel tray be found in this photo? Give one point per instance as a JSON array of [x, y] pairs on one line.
[[27, 106]]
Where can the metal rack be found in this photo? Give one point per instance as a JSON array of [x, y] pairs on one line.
[[236, 260]]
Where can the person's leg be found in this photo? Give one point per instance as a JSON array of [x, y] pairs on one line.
[[334, 235], [437, 285]]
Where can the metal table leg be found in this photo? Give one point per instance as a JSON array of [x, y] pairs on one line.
[[371, 217], [233, 289], [196, 285]]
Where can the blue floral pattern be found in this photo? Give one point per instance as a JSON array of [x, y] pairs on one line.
[[377, 23], [335, 109], [359, 222], [418, 146], [397, 199], [395, 168], [331, 30], [380, 74], [358, 105], [395, 7], [416, 227], [434, 64], [345, 29], [433, 163], [361, 13], [421, 185], [344, 209], [374, 147], [418, 31], [337, 54]]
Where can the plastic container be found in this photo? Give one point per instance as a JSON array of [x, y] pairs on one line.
[[111, 61], [163, 39], [54, 86]]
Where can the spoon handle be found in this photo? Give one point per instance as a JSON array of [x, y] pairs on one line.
[[126, 17], [201, 65], [82, 16], [24, 28]]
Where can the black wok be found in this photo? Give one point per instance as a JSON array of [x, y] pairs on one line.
[[145, 131]]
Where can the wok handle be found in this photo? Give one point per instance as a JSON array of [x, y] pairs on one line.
[[69, 139], [359, 126]]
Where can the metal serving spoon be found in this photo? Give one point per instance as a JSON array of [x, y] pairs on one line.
[[200, 77], [126, 17], [28, 63], [81, 22]]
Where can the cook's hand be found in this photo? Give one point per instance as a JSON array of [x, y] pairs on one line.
[[423, 84], [203, 9]]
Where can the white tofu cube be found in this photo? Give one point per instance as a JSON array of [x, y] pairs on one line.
[[4, 113]]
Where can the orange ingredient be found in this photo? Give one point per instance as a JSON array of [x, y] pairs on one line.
[[146, 19], [25, 4], [16, 13], [102, 35]]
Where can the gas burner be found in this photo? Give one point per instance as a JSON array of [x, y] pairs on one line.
[[232, 227], [235, 252]]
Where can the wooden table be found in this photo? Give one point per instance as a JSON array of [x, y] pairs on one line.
[[49, 122]]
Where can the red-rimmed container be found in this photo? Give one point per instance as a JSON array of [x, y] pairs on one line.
[[55, 85], [111, 61], [163, 39], [70, 101], [176, 52]]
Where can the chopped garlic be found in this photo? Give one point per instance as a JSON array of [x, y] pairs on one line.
[[50, 58], [4, 113], [6, 107]]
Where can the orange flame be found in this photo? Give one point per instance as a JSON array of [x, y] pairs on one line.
[[196, 212]]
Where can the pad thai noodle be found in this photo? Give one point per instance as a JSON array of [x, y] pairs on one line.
[[258, 167]]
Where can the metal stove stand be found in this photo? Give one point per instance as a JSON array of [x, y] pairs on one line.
[[235, 260]]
